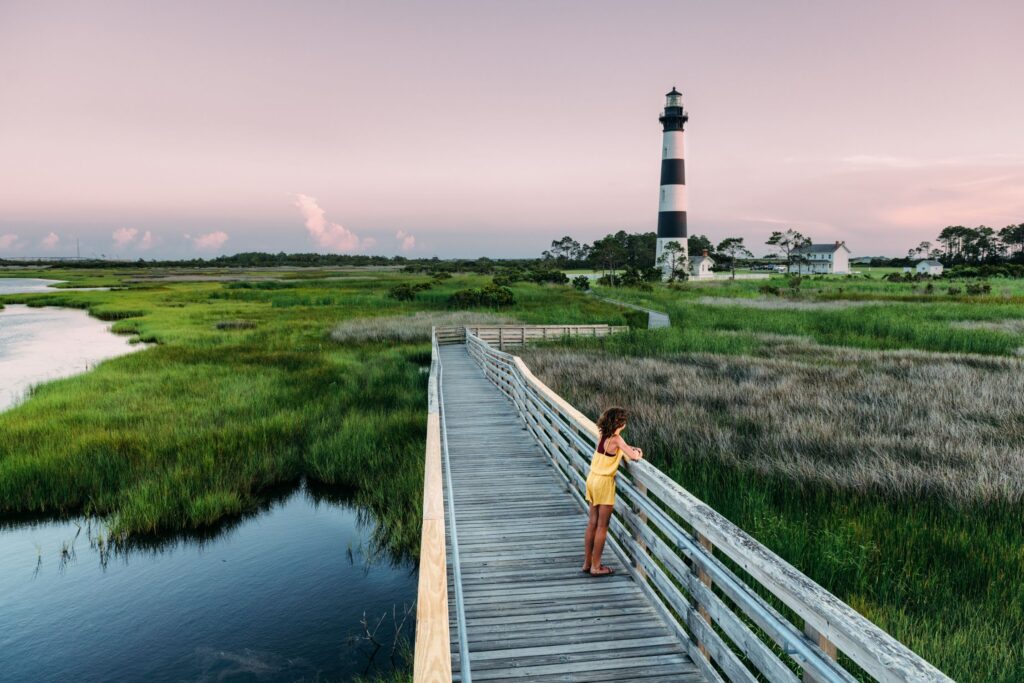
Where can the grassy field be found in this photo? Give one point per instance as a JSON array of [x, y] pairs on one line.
[[872, 436], [869, 432], [244, 389]]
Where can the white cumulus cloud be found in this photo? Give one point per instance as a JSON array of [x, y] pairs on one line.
[[50, 241], [209, 241], [328, 235], [124, 236], [408, 242], [8, 241], [147, 241]]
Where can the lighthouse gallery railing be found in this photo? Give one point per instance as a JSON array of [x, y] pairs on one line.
[[706, 575]]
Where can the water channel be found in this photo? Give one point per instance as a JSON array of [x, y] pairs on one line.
[[294, 592]]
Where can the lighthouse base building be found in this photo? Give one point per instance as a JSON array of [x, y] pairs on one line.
[[672, 204]]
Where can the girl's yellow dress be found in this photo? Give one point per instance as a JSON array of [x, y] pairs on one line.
[[601, 480]]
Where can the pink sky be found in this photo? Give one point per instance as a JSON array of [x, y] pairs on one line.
[[484, 128]]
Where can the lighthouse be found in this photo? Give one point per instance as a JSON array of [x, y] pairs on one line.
[[672, 205]]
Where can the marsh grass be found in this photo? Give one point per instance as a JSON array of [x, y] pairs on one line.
[[235, 325], [780, 304], [894, 479], [410, 328], [243, 392], [891, 424], [1009, 326]]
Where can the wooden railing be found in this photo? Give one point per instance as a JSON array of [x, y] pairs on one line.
[[432, 662], [518, 335], [710, 580]]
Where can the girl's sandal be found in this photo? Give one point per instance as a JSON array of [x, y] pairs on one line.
[[607, 571]]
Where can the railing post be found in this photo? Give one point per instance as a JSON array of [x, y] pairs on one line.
[[641, 489], [522, 335], [501, 338], [826, 645], [704, 578]]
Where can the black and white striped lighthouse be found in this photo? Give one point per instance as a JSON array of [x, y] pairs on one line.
[[672, 205]]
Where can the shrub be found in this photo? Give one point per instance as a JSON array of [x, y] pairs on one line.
[[553, 276], [501, 280], [771, 290], [491, 295], [402, 293], [953, 291], [441, 275], [581, 282], [978, 288], [512, 275], [465, 298]]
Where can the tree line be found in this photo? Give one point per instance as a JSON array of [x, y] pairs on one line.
[[957, 244]]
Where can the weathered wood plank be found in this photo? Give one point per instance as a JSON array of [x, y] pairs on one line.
[[431, 663], [530, 611]]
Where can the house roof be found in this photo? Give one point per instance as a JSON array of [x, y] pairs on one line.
[[929, 263], [821, 248]]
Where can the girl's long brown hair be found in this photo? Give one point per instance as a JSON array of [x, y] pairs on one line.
[[611, 419]]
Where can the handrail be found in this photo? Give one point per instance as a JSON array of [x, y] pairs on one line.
[[728, 623], [432, 660], [460, 609], [518, 335]]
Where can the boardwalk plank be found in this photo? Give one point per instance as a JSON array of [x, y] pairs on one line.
[[530, 612]]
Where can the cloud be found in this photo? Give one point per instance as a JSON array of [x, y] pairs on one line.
[[408, 241], [8, 241], [124, 236], [147, 241], [50, 241], [209, 241], [327, 235]]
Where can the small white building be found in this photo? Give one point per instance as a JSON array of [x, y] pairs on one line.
[[821, 259], [929, 267], [700, 267]]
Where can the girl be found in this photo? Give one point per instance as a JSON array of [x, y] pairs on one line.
[[601, 486]]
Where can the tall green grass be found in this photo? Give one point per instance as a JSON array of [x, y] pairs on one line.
[[927, 326], [243, 390]]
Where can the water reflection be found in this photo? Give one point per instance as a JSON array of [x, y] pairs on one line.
[[33, 285], [294, 591], [47, 343]]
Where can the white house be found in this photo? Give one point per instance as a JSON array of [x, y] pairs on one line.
[[700, 267], [929, 268], [817, 259]]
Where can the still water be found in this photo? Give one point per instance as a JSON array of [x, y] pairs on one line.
[[278, 597], [26, 285], [41, 344], [286, 594], [32, 285]]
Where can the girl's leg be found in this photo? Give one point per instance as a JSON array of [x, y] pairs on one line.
[[604, 514], [588, 538]]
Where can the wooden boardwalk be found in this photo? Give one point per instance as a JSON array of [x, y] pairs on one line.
[[655, 319], [530, 611]]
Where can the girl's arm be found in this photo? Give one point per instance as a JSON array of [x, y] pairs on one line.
[[631, 453]]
